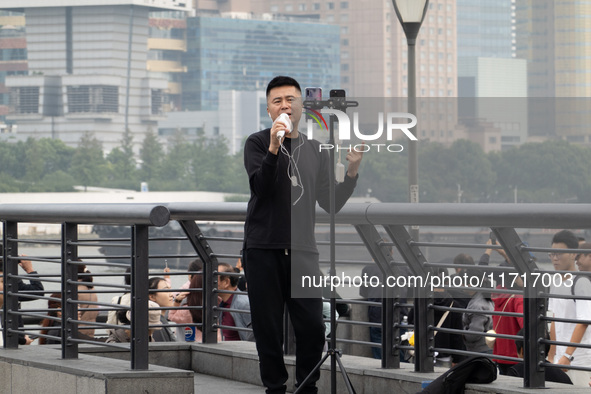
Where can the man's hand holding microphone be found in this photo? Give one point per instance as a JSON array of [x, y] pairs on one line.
[[281, 126]]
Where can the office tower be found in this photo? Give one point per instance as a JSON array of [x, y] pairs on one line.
[[85, 73], [167, 44], [553, 36], [243, 52], [373, 46], [485, 28], [13, 58]]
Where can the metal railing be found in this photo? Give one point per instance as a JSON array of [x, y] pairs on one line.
[[379, 229]]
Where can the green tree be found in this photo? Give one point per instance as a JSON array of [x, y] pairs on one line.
[[212, 166], [57, 181], [88, 163], [11, 159], [122, 165], [8, 184], [383, 175], [151, 154], [45, 156], [176, 170], [551, 171]]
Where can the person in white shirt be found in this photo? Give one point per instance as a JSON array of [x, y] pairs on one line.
[[570, 309]]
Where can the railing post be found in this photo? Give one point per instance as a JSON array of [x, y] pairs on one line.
[[10, 284], [390, 329], [139, 297], [533, 307], [210, 281], [423, 315], [69, 290], [390, 316]]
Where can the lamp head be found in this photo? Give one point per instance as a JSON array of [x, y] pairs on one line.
[[411, 14]]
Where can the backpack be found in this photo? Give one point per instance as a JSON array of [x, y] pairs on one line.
[[575, 279], [476, 369]]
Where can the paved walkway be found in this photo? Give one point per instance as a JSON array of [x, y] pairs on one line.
[[207, 384]]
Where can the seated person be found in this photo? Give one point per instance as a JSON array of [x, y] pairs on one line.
[[123, 335], [116, 316], [164, 300], [233, 301], [88, 312], [183, 316], [52, 327], [552, 374]]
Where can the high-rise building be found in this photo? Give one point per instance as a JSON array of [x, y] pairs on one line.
[[554, 38], [493, 101], [485, 28], [492, 83], [87, 70], [373, 45], [167, 44], [13, 58], [243, 52]]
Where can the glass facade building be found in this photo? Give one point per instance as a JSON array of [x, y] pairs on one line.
[[485, 28], [13, 54], [244, 54], [555, 39]]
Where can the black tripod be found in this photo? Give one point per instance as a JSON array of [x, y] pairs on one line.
[[339, 103]]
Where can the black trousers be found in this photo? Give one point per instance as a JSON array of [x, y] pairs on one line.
[[269, 283]]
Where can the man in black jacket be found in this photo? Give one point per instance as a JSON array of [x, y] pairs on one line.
[[287, 176]]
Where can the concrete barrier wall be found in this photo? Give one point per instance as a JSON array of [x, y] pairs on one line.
[[39, 369]]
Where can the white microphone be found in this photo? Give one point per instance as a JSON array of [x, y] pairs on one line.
[[284, 118]]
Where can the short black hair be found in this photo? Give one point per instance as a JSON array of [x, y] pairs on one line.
[[195, 266], [154, 282], [463, 259], [584, 245], [566, 237], [282, 80], [229, 269]]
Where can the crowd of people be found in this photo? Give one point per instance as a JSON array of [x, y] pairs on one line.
[[492, 309], [169, 310]]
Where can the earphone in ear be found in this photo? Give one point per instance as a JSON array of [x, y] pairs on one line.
[[269, 113]]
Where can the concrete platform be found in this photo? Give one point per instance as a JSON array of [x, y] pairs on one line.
[[40, 369], [224, 368], [238, 361]]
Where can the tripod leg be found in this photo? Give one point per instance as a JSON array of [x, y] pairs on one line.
[[350, 388], [316, 368]]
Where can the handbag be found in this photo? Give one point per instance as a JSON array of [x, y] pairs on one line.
[[490, 341]]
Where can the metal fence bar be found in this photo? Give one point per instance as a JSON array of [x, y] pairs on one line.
[[10, 235], [69, 290], [382, 256], [423, 315], [533, 307], [139, 297], [210, 281], [148, 214]]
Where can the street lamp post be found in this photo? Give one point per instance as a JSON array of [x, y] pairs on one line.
[[411, 14]]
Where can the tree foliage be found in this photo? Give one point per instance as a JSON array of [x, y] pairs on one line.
[[553, 171]]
